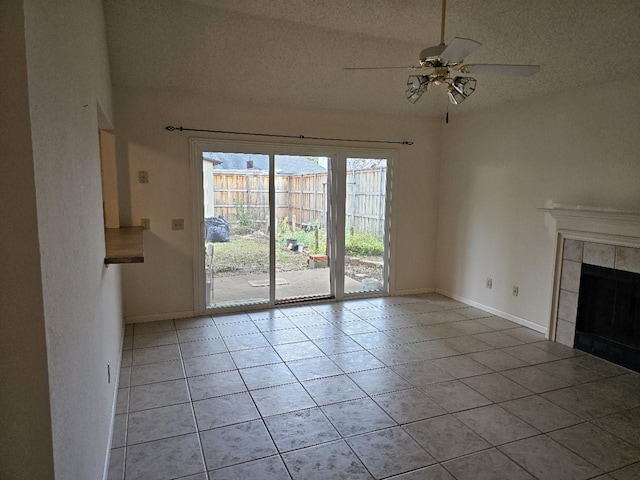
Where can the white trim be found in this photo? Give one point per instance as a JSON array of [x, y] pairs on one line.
[[614, 217], [114, 403], [390, 251], [197, 204], [338, 217], [615, 226], [197, 145], [555, 285], [272, 228], [160, 316], [495, 311], [606, 238]]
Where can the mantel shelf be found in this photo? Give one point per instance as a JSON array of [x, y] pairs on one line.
[[588, 214], [614, 227], [124, 245]]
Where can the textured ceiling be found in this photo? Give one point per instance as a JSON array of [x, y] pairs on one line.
[[291, 52]]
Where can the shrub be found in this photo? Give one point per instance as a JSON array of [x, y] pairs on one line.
[[361, 243], [244, 221]]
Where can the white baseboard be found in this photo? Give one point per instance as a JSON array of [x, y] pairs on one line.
[[159, 316], [413, 291], [495, 311], [114, 402]]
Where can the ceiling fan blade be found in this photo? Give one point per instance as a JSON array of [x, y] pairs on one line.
[[509, 70], [458, 50], [426, 70]]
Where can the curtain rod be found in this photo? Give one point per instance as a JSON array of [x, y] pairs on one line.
[[299, 137]]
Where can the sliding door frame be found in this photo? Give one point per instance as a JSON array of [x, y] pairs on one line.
[[335, 208]]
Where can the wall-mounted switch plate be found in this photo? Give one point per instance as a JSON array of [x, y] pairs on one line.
[[143, 176], [515, 291], [177, 224], [489, 282], [146, 223]]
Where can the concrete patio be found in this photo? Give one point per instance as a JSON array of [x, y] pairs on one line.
[[234, 290]]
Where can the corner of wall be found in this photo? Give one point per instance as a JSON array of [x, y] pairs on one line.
[[25, 416]]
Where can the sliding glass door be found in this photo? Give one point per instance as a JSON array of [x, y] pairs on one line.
[[281, 225], [302, 189], [365, 242], [236, 228]]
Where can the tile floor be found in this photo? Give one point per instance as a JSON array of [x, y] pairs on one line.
[[402, 387]]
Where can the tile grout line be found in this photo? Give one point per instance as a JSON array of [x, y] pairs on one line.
[[390, 368], [193, 413], [260, 414]]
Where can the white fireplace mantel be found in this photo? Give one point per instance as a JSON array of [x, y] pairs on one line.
[[598, 225], [613, 230]]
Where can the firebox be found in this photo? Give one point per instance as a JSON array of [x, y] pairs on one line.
[[608, 317]]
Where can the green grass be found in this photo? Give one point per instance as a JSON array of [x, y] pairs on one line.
[[247, 254], [244, 255], [360, 243]]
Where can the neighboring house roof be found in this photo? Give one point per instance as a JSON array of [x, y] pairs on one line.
[[285, 164]]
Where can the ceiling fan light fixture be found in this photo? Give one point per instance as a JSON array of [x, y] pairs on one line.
[[414, 95], [416, 82], [460, 89], [465, 85], [456, 97], [416, 86]]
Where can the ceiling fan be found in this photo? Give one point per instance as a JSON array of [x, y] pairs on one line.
[[437, 64]]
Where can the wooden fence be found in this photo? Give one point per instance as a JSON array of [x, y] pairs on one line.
[[242, 197]]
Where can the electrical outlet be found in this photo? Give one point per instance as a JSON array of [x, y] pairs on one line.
[[143, 176], [177, 224], [489, 282], [146, 223], [108, 372], [515, 291]]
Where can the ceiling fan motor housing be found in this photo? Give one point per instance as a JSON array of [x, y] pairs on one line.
[[430, 56]]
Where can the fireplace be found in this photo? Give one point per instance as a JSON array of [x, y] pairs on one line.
[[595, 250], [608, 315]]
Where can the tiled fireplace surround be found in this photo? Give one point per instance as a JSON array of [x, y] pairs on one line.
[[597, 237], [574, 254]]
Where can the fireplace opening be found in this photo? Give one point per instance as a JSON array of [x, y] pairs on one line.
[[608, 319]]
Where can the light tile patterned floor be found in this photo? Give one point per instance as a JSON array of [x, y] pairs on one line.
[[404, 387]]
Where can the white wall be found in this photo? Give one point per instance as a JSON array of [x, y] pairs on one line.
[[68, 75], [578, 148], [163, 285], [25, 419]]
